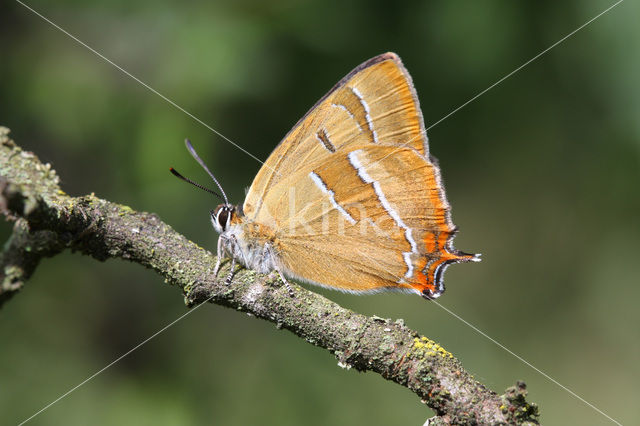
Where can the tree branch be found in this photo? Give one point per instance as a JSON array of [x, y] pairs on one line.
[[47, 221]]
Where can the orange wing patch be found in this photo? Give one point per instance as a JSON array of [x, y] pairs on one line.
[[428, 280]]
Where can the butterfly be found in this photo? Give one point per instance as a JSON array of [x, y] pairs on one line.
[[351, 198]]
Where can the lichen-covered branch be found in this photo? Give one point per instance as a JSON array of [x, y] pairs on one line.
[[47, 221]]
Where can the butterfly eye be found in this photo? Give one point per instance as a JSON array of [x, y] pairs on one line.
[[223, 217]]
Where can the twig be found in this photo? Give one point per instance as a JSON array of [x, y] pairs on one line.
[[48, 221]]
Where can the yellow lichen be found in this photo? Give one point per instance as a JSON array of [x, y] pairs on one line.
[[425, 346]]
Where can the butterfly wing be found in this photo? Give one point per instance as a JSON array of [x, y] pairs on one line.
[[378, 91], [356, 202], [371, 219]]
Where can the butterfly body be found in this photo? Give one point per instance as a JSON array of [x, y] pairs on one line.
[[250, 243], [351, 198]]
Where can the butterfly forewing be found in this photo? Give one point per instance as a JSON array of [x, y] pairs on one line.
[[375, 103]]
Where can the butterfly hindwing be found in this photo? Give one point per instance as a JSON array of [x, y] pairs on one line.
[[372, 220]]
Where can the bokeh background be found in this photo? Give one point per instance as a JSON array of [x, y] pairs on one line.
[[542, 172]]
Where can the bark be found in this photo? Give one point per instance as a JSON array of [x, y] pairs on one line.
[[48, 221]]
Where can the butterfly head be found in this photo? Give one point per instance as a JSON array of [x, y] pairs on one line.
[[221, 217]]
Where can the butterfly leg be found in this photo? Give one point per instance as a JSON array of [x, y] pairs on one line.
[[232, 239], [221, 251], [282, 277], [232, 272], [286, 284]]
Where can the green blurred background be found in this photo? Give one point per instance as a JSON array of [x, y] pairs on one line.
[[542, 172]]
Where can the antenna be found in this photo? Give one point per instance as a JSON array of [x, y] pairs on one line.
[[194, 154], [197, 185]]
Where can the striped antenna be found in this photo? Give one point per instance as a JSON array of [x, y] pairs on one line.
[[194, 154], [196, 184]]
